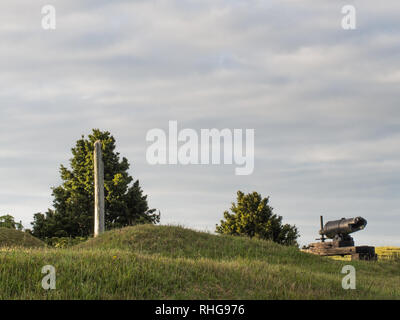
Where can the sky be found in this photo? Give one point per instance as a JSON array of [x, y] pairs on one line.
[[323, 103]]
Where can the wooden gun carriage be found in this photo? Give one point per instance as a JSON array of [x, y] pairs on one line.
[[342, 243]]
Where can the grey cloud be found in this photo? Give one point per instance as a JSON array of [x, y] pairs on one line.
[[323, 102]]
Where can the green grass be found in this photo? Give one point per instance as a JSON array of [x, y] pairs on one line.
[[15, 238], [165, 262]]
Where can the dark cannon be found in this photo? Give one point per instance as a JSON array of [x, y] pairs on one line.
[[342, 243], [339, 230]]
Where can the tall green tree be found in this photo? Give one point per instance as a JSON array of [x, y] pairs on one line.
[[7, 221], [252, 216], [73, 213]]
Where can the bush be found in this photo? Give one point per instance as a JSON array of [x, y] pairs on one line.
[[253, 217], [8, 221], [64, 242]]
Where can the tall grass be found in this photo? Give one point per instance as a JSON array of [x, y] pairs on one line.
[[160, 262]]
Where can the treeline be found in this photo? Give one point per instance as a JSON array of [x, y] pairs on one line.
[[7, 221], [71, 218]]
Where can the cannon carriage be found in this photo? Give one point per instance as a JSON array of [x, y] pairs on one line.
[[342, 243]]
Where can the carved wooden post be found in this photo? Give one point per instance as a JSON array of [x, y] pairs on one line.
[[98, 190]]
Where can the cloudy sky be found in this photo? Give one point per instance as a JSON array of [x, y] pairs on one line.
[[323, 101]]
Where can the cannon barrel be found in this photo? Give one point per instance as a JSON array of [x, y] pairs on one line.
[[343, 227]]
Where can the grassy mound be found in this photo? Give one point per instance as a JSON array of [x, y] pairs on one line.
[[164, 262], [179, 242], [16, 238]]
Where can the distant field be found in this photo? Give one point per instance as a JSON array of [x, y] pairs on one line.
[[165, 262], [388, 252]]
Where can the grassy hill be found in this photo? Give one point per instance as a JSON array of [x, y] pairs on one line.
[[15, 238], [164, 262]]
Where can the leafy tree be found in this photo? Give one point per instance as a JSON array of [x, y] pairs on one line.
[[8, 221], [73, 213], [253, 217]]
